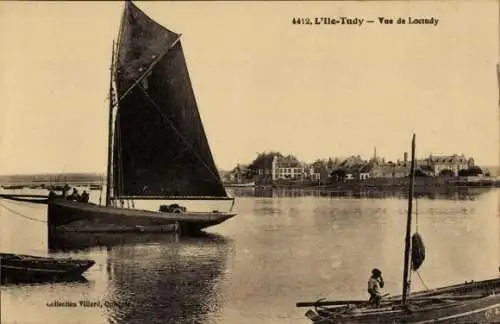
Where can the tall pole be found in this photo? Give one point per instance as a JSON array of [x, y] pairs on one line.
[[110, 128], [406, 277]]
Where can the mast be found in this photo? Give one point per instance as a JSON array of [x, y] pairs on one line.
[[406, 274], [110, 128]]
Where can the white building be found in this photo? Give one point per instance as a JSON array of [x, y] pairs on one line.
[[453, 163], [285, 168]]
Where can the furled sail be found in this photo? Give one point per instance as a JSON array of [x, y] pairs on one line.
[[160, 146]]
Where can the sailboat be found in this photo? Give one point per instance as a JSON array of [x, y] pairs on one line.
[[470, 302], [158, 151]]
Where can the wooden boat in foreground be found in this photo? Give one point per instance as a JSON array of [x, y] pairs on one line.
[[470, 302], [158, 152], [27, 268]]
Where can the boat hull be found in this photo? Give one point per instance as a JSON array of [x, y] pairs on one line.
[[77, 216], [450, 305], [25, 268]]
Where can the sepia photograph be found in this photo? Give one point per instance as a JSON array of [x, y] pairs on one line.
[[249, 162]]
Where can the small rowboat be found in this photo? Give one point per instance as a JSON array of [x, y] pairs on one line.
[[27, 268]]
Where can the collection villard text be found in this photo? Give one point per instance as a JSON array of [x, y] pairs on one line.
[[361, 21], [83, 303]]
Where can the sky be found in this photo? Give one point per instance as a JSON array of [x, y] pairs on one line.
[[261, 82]]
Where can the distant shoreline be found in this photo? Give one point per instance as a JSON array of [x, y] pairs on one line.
[[96, 179], [380, 187], [388, 184], [372, 188]]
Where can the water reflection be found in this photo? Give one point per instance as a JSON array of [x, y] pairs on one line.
[[15, 282], [80, 241], [155, 278], [167, 283], [449, 193]]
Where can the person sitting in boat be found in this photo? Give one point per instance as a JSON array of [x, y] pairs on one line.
[[375, 284], [84, 197], [65, 190], [52, 194], [74, 195]]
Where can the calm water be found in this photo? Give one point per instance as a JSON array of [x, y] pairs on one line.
[[283, 247]]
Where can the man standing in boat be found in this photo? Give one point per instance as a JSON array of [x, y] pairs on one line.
[[375, 284]]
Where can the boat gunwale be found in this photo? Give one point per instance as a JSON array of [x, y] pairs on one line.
[[453, 287]]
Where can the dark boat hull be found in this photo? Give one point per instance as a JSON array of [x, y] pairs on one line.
[[26, 268], [445, 305], [76, 216]]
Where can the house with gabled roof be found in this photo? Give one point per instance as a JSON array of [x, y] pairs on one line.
[[390, 170], [352, 168], [239, 174]]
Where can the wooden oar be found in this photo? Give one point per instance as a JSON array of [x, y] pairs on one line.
[[330, 303], [323, 302]]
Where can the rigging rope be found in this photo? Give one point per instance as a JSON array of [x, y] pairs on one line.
[[422, 280], [19, 214], [416, 215], [23, 203]]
